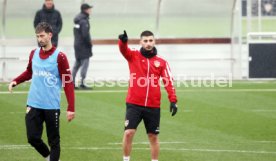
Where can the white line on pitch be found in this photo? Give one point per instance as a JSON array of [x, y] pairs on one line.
[[182, 142], [265, 141], [263, 110], [11, 147], [15, 92], [188, 90], [16, 112], [179, 149], [227, 90], [16, 147], [100, 91], [219, 150], [173, 142]]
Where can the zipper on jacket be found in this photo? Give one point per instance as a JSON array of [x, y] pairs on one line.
[[147, 94]]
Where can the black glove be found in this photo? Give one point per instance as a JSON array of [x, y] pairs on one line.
[[173, 108], [123, 37]]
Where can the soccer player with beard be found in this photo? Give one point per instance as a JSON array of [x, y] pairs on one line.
[[143, 100], [49, 70]]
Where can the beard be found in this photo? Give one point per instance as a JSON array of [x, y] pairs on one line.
[[42, 44]]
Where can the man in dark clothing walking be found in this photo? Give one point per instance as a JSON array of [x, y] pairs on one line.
[[82, 44], [49, 14]]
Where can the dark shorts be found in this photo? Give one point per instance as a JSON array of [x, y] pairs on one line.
[[35, 119], [136, 113]]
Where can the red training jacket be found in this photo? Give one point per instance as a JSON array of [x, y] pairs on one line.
[[63, 68], [145, 73]]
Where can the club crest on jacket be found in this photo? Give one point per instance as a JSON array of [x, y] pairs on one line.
[[156, 63]]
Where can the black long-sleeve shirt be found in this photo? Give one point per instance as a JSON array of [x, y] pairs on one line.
[[51, 16]]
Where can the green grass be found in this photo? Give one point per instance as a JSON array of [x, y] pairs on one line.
[[213, 124], [267, 25], [174, 27]]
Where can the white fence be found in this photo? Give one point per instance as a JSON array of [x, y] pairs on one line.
[[187, 61]]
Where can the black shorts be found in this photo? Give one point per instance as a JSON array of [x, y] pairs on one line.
[[136, 113]]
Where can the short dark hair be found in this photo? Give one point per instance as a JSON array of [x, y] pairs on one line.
[[43, 26], [146, 33]]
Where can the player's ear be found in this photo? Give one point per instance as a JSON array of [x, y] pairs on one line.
[[51, 34]]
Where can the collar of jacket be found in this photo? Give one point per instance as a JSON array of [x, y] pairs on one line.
[[148, 53], [48, 10], [45, 54], [86, 14]]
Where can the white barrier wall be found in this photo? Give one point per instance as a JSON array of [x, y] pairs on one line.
[[186, 61]]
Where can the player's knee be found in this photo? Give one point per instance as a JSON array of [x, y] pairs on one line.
[[34, 141], [153, 137], [129, 133]]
